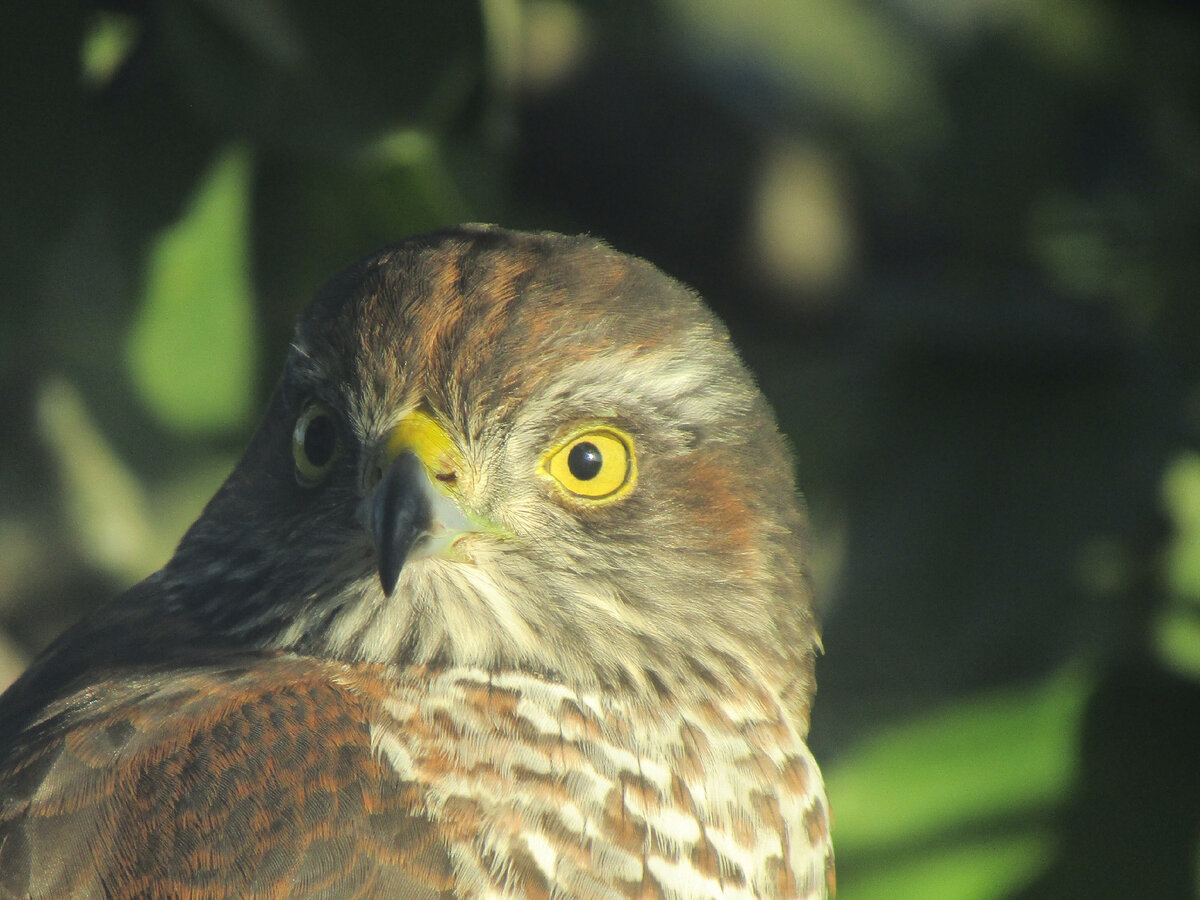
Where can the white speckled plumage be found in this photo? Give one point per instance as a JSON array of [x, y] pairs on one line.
[[545, 771]]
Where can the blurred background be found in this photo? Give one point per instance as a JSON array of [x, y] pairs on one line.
[[956, 239]]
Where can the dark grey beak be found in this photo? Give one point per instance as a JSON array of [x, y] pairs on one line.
[[400, 516]]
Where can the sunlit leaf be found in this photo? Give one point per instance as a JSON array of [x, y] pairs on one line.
[[847, 54], [191, 349], [1181, 491], [970, 870], [106, 45], [1177, 639], [105, 504], [915, 799]]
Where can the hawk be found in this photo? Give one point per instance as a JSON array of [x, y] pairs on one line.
[[507, 598]]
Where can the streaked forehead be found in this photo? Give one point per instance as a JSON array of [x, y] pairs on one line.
[[488, 312]]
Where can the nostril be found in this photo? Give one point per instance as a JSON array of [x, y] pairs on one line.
[[374, 476], [447, 477]]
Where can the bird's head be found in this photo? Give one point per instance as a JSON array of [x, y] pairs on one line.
[[514, 451]]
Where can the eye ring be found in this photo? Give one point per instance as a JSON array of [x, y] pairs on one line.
[[316, 443], [596, 464]]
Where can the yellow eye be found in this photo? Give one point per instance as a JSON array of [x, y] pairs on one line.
[[315, 443], [597, 464]]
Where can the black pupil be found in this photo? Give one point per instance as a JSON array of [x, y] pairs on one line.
[[320, 440], [585, 461]]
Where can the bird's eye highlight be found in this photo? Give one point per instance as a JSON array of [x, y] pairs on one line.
[[596, 464], [315, 443]]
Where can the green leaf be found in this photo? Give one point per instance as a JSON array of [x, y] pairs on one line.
[[1176, 630], [191, 348], [956, 804], [1181, 491], [971, 870], [109, 40]]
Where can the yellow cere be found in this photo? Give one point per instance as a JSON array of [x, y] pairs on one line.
[[420, 433], [596, 464]]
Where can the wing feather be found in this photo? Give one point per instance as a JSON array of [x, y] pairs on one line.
[[253, 780]]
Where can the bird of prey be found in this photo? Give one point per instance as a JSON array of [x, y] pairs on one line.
[[507, 598]]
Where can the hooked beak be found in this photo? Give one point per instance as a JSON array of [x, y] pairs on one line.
[[409, 513]]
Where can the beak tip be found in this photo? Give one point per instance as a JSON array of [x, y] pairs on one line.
[[388, 579], [399, 516]]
